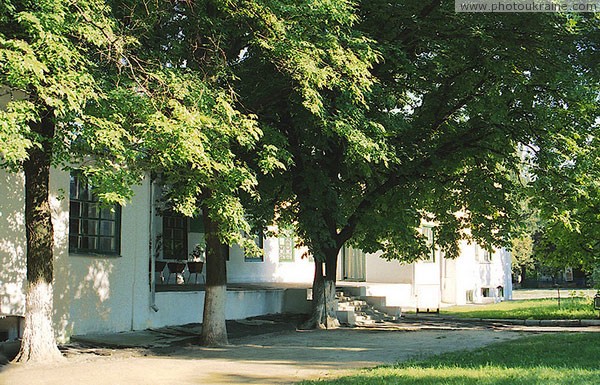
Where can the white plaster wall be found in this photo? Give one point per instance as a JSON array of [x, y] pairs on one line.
[[475, 275], [177, 308], [467, 272], [99, 293], [243, 304], [174, 308], [382, 271], [395, 294], [427, 273], [449, 282], [13, 244], [269, 270]]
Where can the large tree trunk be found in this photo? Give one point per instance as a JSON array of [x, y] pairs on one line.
[[324, 303], [38, 342], [214, 328]]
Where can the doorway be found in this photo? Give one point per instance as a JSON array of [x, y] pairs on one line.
[[353, 264]]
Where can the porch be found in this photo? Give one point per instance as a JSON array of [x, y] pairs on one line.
[[177, 304]]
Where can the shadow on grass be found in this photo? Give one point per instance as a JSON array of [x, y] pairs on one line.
[[544, 359]]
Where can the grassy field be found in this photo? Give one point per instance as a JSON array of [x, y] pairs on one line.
[[557, 359], [570, 308]]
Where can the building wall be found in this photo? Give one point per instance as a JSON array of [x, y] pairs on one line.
[[382, 271], [99, 294], [471, 274], [96, 293], [270, 269], [12, 244]]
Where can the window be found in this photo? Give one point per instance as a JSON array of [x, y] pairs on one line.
[[286, 249], [430, 242], [175, 232], [259, 240], [93, 228], [485, 292], [353, 264], [483, 255]]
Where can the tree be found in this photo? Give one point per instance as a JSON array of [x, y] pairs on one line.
[[313, 95], [49, 56], [565, 167], [190, 131], [568, 198], [431, 131]]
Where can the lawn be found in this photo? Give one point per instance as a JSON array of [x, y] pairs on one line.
[[557, 359], [570, 308]]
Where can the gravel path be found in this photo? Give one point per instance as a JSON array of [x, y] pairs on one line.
[[262, 351], [277, 358]]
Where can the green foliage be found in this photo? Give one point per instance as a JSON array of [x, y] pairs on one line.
[[569, 200], [421, 120], [181, 111], [355, 133], [540, 360], [54, 57]]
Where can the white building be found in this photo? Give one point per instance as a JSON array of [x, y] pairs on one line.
[[104, 282]]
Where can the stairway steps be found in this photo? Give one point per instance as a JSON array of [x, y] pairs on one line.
[[357, 311]]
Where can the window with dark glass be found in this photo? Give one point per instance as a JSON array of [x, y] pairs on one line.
[[259, 240], [174, 237], [430, 242], [93, 227]]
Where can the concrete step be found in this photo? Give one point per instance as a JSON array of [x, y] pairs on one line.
[[366, 310], [357, 309], [364, 320]]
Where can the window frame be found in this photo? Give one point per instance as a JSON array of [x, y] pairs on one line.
[[185, 231], [483, 254], [81, 218], [429, 233], [259, 239], [284, 242]]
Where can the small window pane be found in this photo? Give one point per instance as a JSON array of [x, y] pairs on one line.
[[74, 227], [83, 192], [93, 210], [89, 227], [73, 242], [107, 213], [74, 189], [107, 228], [75, 209], [107, 244]]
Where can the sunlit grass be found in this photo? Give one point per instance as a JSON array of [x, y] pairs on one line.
[[547, 359], [570, 308]]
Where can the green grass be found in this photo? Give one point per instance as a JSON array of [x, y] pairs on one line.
[[557, 359], [570, 308]]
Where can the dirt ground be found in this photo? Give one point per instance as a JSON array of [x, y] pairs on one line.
[[279, 356]]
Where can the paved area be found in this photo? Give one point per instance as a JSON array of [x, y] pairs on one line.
[[262, 351]]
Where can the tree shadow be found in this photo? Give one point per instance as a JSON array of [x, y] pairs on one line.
[[12, 247]]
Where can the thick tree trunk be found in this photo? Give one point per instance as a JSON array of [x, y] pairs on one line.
[[324, 303], [38, 342], [214, 328]]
